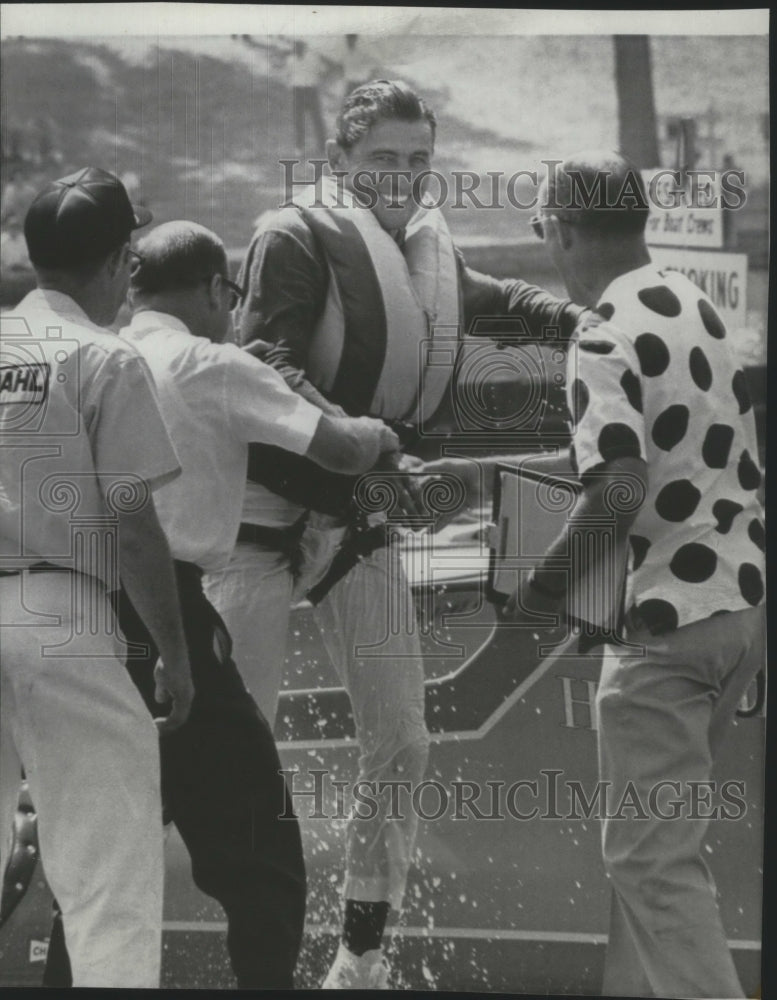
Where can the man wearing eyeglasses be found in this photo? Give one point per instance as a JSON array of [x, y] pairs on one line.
[[221, 781], [664, 442]]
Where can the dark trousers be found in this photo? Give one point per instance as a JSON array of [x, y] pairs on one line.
[[222, 788]]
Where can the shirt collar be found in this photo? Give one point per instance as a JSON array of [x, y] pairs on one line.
[[60, 303], [149, 321], [631, 279]]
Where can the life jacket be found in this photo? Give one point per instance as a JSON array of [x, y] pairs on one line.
[[373, 349]]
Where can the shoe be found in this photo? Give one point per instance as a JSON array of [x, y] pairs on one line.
[[357, 972]]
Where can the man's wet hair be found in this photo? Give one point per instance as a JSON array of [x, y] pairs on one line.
[[380, 100], [604, 192], [175, 256]]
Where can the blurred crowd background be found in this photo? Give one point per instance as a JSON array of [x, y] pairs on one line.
[[196, 125]]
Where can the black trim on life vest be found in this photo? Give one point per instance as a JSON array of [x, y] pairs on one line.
[[364, 312]]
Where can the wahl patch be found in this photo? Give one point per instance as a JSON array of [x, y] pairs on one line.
[[24, 383]]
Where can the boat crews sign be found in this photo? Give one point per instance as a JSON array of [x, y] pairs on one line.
[[685, 212]]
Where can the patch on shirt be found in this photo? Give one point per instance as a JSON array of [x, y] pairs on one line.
[[24, 383]]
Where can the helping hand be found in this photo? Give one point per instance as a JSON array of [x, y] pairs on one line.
[[176, 686]]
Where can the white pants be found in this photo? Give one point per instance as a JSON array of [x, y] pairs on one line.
[[370, 608], [368, 625], [663, 717], [72, 718], [253, 596]]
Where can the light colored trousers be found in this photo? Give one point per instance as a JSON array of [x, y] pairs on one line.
[[368, 627], [664, 717], [72, 718]]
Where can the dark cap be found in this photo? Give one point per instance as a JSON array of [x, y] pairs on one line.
[[80, 218]]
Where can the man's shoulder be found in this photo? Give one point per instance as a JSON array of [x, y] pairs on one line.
[[201, 361], [648, 295], [174, 349], [287, 222], [608, 338], [62, 332]]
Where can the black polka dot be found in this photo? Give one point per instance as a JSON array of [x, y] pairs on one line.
[[724, 512], [606, 310], [677, 500], [751, 583], [661, 300], [717, 614], [670, 426], [701, 373], [618, 441], [755, 531], [653, 354], [633, 388], [713, 324], [640, 548], [659, 616], [741, 391], [580, 399], [597, 346], [693, 563], [717, 445], [748, 472]]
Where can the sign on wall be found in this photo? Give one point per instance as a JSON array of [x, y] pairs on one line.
[[687, 214], [722, 276]]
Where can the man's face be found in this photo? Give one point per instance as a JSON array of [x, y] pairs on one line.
[[381, 168], [561, 255]]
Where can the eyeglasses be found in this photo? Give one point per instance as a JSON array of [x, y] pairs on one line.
[[236, 293]]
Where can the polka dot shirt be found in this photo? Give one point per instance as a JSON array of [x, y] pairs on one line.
[[658, 381]]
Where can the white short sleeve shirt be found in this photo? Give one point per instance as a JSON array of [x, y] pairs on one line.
[[82, 436], [215, 399]]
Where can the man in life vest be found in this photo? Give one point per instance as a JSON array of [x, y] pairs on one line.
[[345, 285]]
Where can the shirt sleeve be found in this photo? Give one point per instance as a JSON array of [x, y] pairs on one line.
[[126, 429], [286, 283], [261, 406], [604, 397], [520, 308]]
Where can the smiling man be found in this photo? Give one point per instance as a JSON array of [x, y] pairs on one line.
[[343, 298]]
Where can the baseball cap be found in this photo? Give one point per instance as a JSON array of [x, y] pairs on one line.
[[80, 218]]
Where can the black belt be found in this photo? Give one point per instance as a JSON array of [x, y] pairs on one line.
[[281, 539], [361, 541]]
